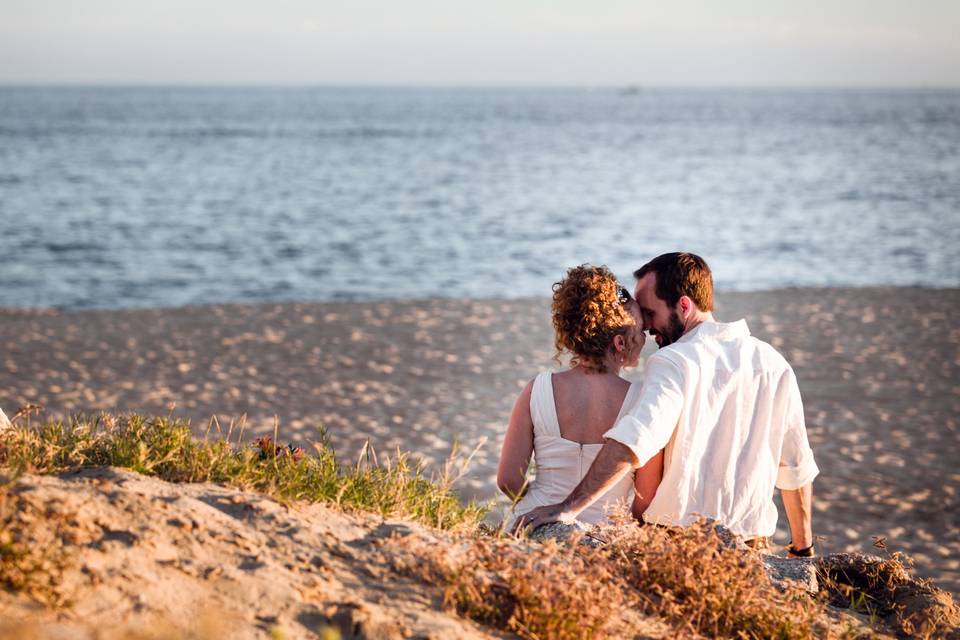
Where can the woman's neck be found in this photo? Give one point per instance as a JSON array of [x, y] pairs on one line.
[[611, 367]]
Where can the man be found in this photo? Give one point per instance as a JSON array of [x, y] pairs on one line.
[[725, 407]]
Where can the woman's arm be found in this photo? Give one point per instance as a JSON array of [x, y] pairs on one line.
[[517, 447], [645, 483]]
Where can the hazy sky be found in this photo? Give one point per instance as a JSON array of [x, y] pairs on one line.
[[483, 42]]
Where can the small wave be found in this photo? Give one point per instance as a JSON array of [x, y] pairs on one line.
[[363, 133], [68, 247], [369, 133], [873, 196], [209, 132]]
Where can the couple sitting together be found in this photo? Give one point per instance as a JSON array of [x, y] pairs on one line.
[[715, 425]]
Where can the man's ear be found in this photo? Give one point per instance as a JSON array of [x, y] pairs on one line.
[[686, 306]]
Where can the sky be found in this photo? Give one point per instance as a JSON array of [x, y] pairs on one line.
[[775, 43]]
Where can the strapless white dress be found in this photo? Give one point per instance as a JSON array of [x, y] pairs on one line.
[[561, 463]]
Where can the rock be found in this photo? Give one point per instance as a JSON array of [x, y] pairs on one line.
[[562, 532], [730, 540], [787, 572], [783, 572]]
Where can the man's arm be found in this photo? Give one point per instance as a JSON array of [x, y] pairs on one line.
[[613, 462], [797, 467], [637, 437], [799, 506]]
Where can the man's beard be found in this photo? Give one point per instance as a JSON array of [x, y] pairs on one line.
[[672, 333]]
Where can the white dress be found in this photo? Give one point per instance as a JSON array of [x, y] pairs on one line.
[[561, 463]]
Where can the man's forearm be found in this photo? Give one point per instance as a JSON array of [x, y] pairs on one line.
[[613, 462], [798, 504]]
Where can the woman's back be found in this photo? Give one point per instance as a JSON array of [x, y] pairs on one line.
[[560, 418], [587, 404], [570, 413]]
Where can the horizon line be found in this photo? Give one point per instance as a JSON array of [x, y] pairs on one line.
[[623, 86]]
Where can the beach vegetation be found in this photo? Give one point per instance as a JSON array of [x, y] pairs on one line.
[[546, 591], [882, 589], [34, 548], [690, 576], [684, 577], [165, 447], [687, 582]]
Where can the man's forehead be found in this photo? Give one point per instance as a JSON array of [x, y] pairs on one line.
[[645, 286], [646, 293]]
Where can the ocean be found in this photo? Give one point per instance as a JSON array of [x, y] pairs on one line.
[[157, 197]]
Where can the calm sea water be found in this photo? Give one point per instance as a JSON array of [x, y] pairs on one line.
[[157, 197]]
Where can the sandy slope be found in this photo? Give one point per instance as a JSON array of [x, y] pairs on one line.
[[200, 555], [879, 370], [200, 558]]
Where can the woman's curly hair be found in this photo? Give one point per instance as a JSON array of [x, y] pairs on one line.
[[587, 314]]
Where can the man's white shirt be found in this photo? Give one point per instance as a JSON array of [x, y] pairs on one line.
[[726, 408]]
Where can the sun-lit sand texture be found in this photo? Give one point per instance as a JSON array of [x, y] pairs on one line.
[[879, 370]]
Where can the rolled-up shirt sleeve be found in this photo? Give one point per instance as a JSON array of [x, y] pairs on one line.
[[797, 467], [647, 426]]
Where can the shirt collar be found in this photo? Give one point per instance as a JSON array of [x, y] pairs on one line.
[[717, 331]]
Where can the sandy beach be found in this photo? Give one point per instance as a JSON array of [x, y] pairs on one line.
[[879, 370]]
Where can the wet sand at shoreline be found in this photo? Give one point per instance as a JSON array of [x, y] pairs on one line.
[[879, 370]]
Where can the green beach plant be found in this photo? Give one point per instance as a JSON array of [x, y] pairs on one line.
[[166, 448]]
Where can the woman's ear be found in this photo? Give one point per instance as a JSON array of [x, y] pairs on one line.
[[619, 342]]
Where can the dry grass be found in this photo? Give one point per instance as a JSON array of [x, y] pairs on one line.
[[690, 577], [546, 592], [539, 592], [884, 590], [34, 547], [555, 592]]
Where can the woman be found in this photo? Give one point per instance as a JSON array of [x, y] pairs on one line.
[[560, 418]]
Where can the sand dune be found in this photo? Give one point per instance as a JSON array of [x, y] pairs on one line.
[[150, 559], [217, 562], [879, 370]]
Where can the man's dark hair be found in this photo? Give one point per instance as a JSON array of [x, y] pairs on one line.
[[681, 274]]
